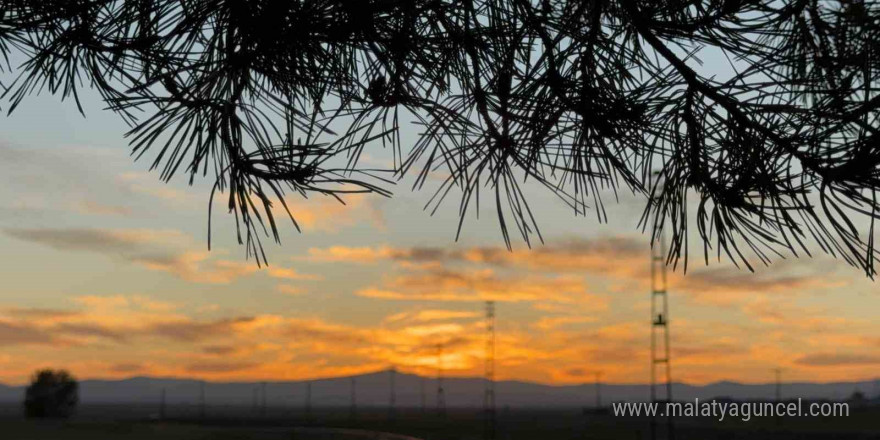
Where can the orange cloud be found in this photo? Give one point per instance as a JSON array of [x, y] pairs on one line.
[[159, 250], [92, 207], [431, 315], [481, 285], [336, 254], [838, 359], [287, 289], [290, 274], [552, 322], [330, 215]]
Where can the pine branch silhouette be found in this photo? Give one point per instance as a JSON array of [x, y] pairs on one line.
[[575, 96]]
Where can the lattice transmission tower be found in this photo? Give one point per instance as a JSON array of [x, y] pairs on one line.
[[489, 395], [660, 356]]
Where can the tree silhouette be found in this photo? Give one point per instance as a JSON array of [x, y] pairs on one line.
[[51, 394], [576, 96]]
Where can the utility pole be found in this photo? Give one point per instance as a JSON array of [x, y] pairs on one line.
[[778, 373], [392, 396], [255, 401], [660, 323], [489, 394], [441, 398], [352, 411], [424, 396], [308, 403], [202, 400], [263, 397], [162, 405]]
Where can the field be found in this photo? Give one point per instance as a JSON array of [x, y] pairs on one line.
[[133, 422]]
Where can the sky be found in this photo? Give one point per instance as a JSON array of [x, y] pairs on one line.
[[106, 273]]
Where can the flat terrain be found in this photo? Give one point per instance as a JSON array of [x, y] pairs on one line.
[[106, 422]]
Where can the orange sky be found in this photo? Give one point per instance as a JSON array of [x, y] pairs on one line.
[[127, 288], [106, 273]]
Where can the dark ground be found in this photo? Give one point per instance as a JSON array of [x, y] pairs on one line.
[[100, 422]]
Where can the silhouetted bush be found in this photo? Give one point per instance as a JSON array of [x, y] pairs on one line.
[[51, 394]]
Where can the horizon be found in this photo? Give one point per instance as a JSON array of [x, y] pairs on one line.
[[874, 380]]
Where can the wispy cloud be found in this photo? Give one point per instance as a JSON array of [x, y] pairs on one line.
[[480, 285], [150, 185], [22, 334], [220, 367], [160, 250], [288, 289], [431, 315], [623, 259], [92, 207], [838, 359], [330, 215]]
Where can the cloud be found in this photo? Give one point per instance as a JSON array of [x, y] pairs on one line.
[[610, 255], [553, 348], [624, 259], [129, 244], [40, 313], [221, 350], [22, 334], [159, 250], [150, 185], [197, 267], [726, 286], [219, 367], [431, 315], [363, 255], [838, 359], [480, 285], [89, 330], [291, 274], [444, 329], [288, 289], [102, 302], [552, 322], [153, 249], [330, 215], [127, 367], [192, 331], [92, 207]]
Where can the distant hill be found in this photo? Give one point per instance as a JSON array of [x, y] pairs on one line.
[[373, 390]]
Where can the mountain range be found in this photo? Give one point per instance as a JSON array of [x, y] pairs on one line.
[[374, 389]]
